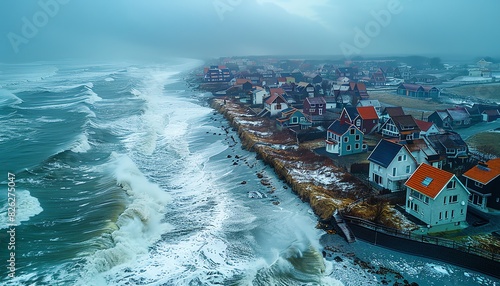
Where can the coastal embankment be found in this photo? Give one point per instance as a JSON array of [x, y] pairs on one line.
[[314, 178]]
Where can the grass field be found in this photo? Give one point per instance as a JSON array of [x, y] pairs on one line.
[[489, 92], [411, 105], [486, 142]]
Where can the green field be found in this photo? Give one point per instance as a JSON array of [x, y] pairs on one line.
[[486, 142], [489, 92]]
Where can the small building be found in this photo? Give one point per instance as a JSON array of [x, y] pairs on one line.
[[426, 128], [419, 91], [490, 115], [391, 164], [343, 138], [391, 111], [449, 145], [258, 96], [292, 118], [367, 120], [437, 198], [402, 127], [314, 106], [372, 102], [274, 104], [483, 182]]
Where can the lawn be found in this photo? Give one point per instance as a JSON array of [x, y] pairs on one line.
[[486, 142], [489, 92]]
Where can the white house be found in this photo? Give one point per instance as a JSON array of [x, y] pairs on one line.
[[390, 165], [258, 96], [274, 104], [437, 198]]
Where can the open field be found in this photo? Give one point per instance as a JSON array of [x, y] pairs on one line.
[[486, 142], [410, 105], [488, 92]]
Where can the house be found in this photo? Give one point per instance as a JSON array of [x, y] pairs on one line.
[[391, 164], [292, 118], [449, 145], [419, 91], [348, 114], [459, 117], [274, 104], [344, 138], [402, 127], [391, 111], [490, 115], [423, 152], [304, 89], [217, 74], [437, 198], [358, 92], [483, 182], [372, 102], [314, 106], [378, 78], [349, 72], [441, 118], [331, 103], [367, 119], [426, 128], [258, 96]]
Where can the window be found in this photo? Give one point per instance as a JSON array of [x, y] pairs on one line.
[[352, 131], [461, 211], [357, 137], [356, 146], [408, 169], [446, 215], [348, 148], [452, 213], [453, 199], [440, 215], [346, 139], [478, 184], [358, 122], [295, 120], [313, 105], [394, 171], [451, 185], [444, 200]]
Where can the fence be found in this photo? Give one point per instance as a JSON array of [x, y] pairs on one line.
[[424, 238]]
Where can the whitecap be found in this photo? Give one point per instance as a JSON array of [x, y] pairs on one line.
[[26, 206], [81, 144]]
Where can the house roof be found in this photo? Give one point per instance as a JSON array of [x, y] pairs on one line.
[[449, 140], [240, 81], [275, 98], [394, 111], [351, 111], [429, 180], [491, 112], [442, 114], [316, 100], [340, 128], [279, 91], [458, 113], [384, 152], [484, 172], [405, 122], [369, 102], [367, 112], [423, 125], [409, 86]]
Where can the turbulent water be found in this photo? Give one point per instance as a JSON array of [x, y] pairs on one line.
[[124, 176]]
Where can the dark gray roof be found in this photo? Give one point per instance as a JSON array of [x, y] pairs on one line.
[[339, 128], [384, 152]]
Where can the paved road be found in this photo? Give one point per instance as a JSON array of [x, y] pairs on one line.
[[477, 128]]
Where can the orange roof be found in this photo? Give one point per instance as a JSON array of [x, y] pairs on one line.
[[423, 125], [279, 91], [241, 81], [282, 79], [367, 112], [484, 174], [437, 178], [361, 86]]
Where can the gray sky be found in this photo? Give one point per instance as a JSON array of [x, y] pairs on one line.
[[141, 29]]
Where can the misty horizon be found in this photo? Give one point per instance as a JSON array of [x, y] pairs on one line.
[[49, 30]]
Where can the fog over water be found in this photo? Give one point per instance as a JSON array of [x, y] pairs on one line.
[[55, 29]]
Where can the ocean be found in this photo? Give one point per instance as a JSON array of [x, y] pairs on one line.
[[123, 175]]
